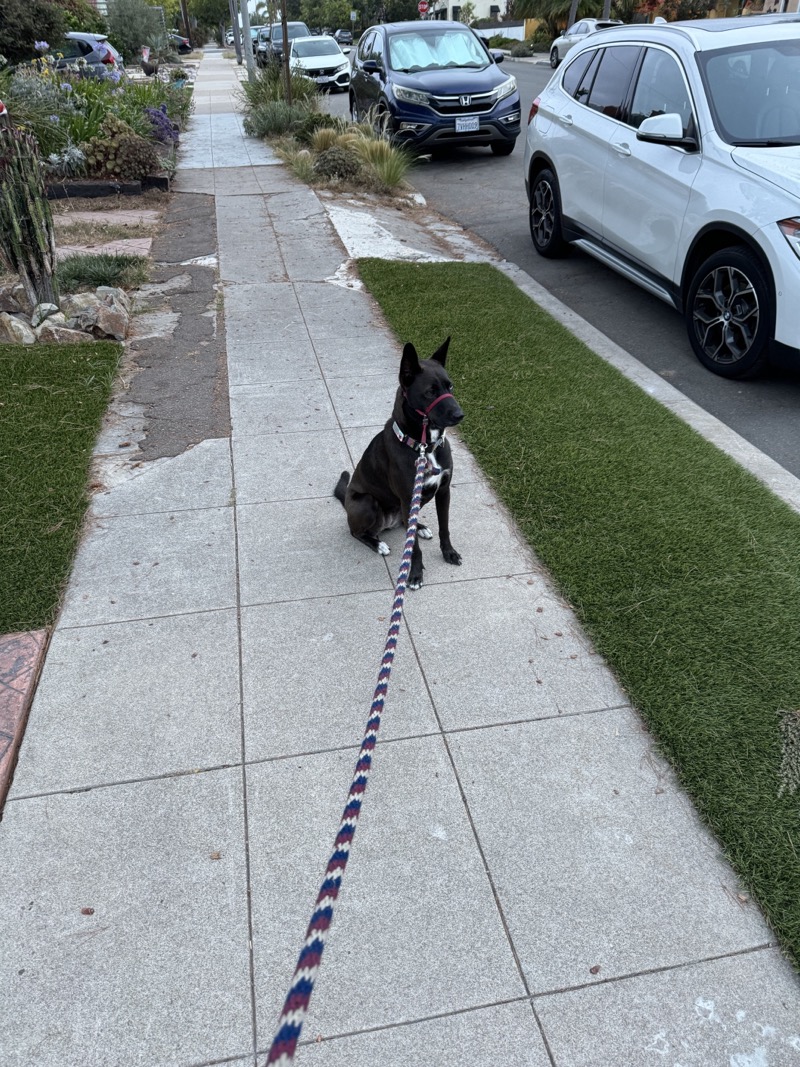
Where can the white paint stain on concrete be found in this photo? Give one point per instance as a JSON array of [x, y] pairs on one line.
[[362, 236], [756, 1058]]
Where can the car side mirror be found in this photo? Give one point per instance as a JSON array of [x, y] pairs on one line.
[[497, 55], [665, 129], [370, 66]]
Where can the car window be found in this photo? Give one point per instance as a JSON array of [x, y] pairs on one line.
[[754, 91], [571, 78], [72, 49], [585, 84], [661, 90], [610, 85], [364, 46], [377, 50]]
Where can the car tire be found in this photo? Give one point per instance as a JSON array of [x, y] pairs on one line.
[[503, 148], [354, 116], [554, 60], [729, 312], [544, 215]]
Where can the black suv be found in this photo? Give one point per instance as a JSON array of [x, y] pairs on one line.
[[343, 37], [270, 40]]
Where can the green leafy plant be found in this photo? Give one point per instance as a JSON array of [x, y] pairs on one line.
[[274, 119], [27, 236], [131, 24], [120, 153], [85, 271], [23, 23], [337, 162]]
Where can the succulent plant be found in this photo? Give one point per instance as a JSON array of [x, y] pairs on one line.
[[120, 153]]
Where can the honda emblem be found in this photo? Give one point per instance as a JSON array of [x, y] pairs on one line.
[[465, 100]]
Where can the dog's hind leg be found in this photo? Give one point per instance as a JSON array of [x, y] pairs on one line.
[[366, 520]]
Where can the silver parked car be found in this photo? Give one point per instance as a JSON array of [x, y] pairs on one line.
[[577, 34]]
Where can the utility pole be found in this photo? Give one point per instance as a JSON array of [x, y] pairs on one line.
[[237, 37], [247, 42]]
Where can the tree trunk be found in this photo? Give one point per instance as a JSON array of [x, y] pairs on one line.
[[573, 13]]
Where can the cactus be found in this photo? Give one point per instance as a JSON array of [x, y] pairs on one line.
[[27, 237]]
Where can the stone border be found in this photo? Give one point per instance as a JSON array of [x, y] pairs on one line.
[[21, 659]]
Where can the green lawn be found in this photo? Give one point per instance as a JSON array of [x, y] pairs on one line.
[[52, 399], [683, 568]]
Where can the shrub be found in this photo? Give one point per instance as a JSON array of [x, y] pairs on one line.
[[120, 153], [161, 128], [69, 163], [318, 120], [270, 85], [131, 23], [337, 162], [80, 15], [274, 119], [23, 22]]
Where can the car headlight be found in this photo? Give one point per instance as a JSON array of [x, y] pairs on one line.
[[790, 228], [507, 88], [342, 66], [412, 96]]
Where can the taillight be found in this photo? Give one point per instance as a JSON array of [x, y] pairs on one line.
[[108, 58], [534, 109]]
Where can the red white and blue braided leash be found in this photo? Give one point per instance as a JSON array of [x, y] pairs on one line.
[[299, 995]]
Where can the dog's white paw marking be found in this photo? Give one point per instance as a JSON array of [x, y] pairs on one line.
[[424, 533], [414, 585], [383, 548]]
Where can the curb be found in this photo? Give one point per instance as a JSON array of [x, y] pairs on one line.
[[21, 660]]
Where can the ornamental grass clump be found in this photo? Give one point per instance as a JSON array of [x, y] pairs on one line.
[[27, 236]]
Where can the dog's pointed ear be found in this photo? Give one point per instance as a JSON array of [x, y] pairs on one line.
[[440, 355], [409, 364]]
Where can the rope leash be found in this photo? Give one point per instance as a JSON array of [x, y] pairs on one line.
[[299, 996]]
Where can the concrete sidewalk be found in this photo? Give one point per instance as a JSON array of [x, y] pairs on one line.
[[528, 885]]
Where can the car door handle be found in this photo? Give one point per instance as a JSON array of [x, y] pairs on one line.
[[566, 120], [621, 148]]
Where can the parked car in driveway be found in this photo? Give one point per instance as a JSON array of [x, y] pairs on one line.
[[343, 37], [671, 153], [181, 44], [95, 49], [434, 84], [270, 40], [321, 59], [576, 35]]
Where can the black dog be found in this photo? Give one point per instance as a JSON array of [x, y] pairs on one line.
[[378, 496]]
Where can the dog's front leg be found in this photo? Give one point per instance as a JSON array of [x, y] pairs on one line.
[[443, 515], [417, 567]]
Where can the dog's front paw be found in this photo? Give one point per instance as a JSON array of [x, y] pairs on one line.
[[451, 556], [382, 549], [415, 583], [424, 533]]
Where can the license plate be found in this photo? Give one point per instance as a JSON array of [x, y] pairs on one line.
[[468, 124]]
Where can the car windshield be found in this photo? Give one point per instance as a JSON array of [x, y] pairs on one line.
[[294, 31], [410, 52], [754, 93], [320, 46]]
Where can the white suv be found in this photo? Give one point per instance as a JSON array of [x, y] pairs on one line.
[[671, 152]]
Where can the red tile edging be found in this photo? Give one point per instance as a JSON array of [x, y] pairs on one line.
[[21, 658]]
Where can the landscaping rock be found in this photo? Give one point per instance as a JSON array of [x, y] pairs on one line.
[[75, 302], [9, 299], [56, 334], [15, 331], [59, 319], [42, 312], [99, 318], [109, 294]]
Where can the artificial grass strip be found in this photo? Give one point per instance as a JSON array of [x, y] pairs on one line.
[[682, 567], [52, 399]]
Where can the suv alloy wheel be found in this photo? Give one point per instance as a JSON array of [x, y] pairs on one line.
[[729, 312], [545, 215]]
